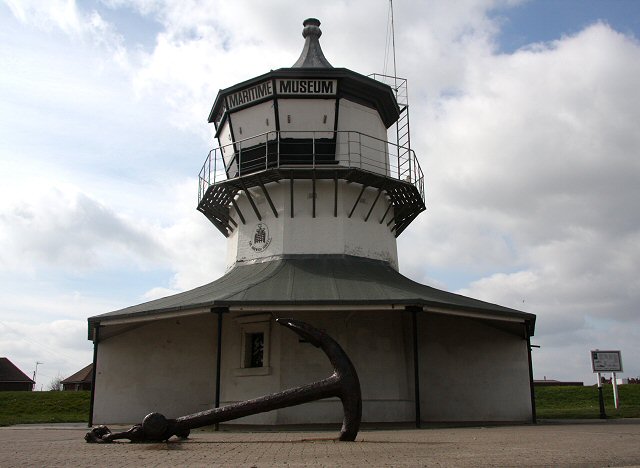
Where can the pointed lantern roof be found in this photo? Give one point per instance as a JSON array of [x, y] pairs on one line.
[[312, 56], [312, 64]]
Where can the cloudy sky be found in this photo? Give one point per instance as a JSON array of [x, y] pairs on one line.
[[524, 116]]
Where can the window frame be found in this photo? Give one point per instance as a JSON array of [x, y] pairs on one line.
[[251, 324]]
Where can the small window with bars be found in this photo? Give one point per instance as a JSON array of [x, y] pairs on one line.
[[254, 331], [254, 350]]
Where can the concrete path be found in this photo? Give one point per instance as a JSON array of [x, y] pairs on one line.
[[595, 443]]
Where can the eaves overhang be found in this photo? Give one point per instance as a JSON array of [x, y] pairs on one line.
[[315, 281], [351, 85]]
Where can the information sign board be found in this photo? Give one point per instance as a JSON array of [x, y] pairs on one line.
[[606, 361]]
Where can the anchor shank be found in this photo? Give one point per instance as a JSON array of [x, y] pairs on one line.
[[326, 388]]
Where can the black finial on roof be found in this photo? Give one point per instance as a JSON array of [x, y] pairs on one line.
[[311, 56]]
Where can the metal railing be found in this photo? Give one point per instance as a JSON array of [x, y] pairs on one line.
[[397, 84], [310, 149]]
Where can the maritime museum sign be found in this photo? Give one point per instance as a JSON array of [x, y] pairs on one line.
[[290, 87], [302, 86], [249, 95]]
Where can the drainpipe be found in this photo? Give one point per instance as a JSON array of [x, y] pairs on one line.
[[534, 418], [96, 340], [416, 363], [219, 311]]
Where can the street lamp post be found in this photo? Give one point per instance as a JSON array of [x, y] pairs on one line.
[[35, 372]]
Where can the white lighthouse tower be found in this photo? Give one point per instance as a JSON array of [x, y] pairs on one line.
[[311, 198], [304, 165]]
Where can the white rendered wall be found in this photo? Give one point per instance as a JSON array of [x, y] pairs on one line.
[[304, 234], [297, 115], [166, 366], [365, 144], [374, 341], [226, 141], [471, 371], [252, 121]]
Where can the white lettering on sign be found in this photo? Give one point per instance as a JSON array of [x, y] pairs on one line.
[[249, 95], [300, 86]]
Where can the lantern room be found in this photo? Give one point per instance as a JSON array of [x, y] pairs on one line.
[[308, 114], [322, 131]]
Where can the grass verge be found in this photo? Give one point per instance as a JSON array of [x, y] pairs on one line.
[[582, 402], [551, 403], [43, 407]]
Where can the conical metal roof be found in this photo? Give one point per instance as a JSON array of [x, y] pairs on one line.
[[322, 280], [312, 56]]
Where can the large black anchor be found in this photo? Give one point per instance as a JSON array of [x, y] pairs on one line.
[[343, 383]]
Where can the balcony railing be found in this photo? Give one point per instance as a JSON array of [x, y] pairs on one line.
[[305, 150]]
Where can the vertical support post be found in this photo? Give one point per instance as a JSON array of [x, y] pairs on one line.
[[278, 137], [410, 173], [219, 311], [532, 390], [266, 151], [335, 194], [96, 340], [398, 152], [291, 190], [313, 195], [603, 414], [313, 150], [416, 363], [616, 398]]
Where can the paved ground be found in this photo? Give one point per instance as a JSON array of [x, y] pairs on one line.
[[595, 443]]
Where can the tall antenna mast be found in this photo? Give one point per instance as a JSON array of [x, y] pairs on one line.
[[393, 42]]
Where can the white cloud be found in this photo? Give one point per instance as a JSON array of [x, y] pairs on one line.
[[70, 230], [64, 15], [540, 150], [197, 251], [61, 346]]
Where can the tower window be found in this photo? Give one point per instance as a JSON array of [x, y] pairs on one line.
[[254, 351], [254, 345]]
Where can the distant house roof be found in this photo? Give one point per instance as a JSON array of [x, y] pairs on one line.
[[10, 373], [84, 375], [323, 280]]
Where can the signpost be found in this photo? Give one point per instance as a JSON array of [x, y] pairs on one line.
[[606, 361]]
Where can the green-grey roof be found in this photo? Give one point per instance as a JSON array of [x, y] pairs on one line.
[[313, 280]]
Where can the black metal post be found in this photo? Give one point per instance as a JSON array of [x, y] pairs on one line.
[[291, 190], [534, 418], [603, 414], [96, 340], [218, 359], [416, 363]]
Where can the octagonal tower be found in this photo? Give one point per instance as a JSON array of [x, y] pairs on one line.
[[311, 197], [304, 166]]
